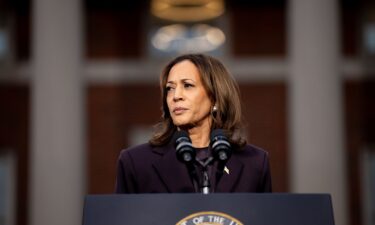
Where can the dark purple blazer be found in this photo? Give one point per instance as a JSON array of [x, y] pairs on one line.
[[148, 169]]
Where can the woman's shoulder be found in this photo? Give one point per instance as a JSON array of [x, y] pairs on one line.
[[252, 156], [141, 150], [139, 147], [252, 150], [136, 149]]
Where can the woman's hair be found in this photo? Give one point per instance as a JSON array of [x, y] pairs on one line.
[[222, 90]]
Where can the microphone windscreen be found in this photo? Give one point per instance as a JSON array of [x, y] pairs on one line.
[[180, 134], [221, 148], [184, 149], [217, 133]]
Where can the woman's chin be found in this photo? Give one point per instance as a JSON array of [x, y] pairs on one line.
[[183, 124], [180, 122]]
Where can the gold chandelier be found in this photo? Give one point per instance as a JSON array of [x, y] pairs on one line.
[[187, 10]]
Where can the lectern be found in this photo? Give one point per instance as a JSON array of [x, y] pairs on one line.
[[215, 209]]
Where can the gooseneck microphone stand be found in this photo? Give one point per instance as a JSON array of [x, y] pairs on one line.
[[205, 182]]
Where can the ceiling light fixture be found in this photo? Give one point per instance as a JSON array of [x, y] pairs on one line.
[[178, 38], [187, 10]]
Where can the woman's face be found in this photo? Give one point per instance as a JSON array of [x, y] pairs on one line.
[[188, 102]]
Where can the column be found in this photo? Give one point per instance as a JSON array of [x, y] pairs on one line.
[[315, 98], [57, 177]]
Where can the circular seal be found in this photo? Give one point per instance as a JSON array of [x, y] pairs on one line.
[[209, 218]]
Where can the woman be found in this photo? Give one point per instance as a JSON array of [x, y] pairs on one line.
[[199, 95]]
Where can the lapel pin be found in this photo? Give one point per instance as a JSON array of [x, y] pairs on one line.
[[226, 170]]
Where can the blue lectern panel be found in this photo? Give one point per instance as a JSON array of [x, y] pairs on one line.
[[169, 209]]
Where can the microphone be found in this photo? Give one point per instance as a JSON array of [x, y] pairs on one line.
[[184, 149], [186, 154], [221, 148]]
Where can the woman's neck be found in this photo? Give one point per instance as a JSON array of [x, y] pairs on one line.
[[200, 136]]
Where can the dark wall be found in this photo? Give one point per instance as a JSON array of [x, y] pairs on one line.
[[14, 136]]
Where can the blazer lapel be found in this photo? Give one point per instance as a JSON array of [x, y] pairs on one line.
[[231, 175], [173, 173]]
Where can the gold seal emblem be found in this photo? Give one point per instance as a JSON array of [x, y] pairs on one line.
[[209, 218]]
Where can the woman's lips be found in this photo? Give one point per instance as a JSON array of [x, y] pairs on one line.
[[179, 110]]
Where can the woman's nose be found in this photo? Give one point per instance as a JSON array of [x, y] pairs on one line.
[[178, 94]]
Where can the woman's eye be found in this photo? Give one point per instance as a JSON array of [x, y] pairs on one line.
[[168, 88], [187, 85]]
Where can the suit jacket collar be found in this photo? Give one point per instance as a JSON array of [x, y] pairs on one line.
[[175, 175]]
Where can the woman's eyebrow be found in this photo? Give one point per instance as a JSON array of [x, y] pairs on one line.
[[181, 80], [188, 79]]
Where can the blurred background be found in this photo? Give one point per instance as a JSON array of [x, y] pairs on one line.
[[79, 82]]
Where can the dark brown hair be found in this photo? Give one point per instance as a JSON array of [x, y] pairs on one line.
[[221, 89]]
